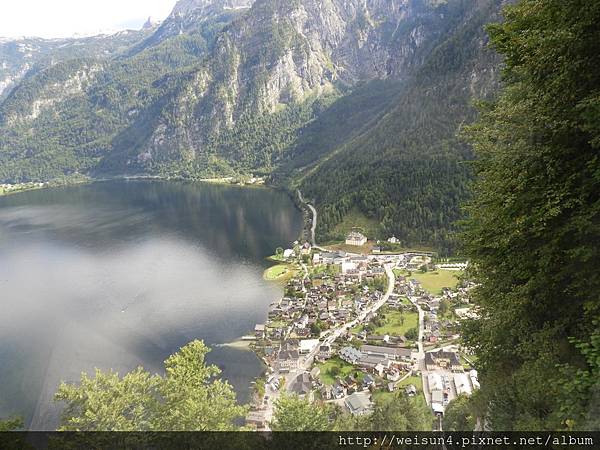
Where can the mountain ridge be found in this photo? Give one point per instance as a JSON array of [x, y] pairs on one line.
[[222, 89]]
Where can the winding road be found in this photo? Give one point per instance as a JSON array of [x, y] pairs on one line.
[[314, 219]]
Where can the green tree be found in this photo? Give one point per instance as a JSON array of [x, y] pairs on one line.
[[345, 421], [315, 329], [259, 388], [11, 424], [444, 306], [535, 218], [458, 415], [582, 390], [189, 397], [412, 334], [295, 414], [401, 414]]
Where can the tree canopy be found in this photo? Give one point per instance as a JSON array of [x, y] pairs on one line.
[[534, 223], [295, 414], [11, 424], [189, 397], [458, 415]]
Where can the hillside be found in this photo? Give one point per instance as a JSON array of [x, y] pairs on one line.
[[369, 94], [405, 164], [24, 56]]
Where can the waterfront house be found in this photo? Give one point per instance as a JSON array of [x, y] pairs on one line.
[[260, 331]]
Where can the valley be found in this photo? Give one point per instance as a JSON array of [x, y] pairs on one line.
[[279, 90]]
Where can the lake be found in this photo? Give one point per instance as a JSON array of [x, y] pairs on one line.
[[123, 273]]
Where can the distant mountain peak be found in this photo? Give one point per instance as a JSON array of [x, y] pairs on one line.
[[183, 7], [150, 23]]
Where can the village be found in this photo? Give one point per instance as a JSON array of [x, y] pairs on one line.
[[6, 188], [355, 328]]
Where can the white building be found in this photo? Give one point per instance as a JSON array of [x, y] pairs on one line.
[[348, 266], [434, 381], [308, 345], [356, 238], [461, 382]]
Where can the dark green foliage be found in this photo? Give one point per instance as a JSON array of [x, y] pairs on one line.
[[199, 105], [582, 387], [295, 414], [458, 415], [405, 166], [401, 413], [12, 424], [95, 129], [412, 334], [534, 224]]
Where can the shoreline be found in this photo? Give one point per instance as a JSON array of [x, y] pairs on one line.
[[57, 183]]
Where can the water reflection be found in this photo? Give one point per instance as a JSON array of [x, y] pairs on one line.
[[116, 275]]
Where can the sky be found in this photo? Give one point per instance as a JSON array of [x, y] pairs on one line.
[[64, 18]]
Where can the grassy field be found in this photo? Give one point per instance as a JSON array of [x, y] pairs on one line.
[[434, 281], [280, 272], [394, 324], [356, 219], [417, 381], [381, 397], [326, 367], [362, 250]]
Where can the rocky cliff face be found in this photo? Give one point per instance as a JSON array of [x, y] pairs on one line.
[[196, 17], [18, 57], [287, 53], [226, 86]]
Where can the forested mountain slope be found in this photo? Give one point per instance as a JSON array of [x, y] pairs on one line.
[[404, 164], [69, 116], [19, 57], [367, 95]]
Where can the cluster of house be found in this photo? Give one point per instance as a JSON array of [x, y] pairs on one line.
[[288, 357], [352, 268], [436, 328], [7, 187], [445, 370], [328, 300], [298, 250], [355, 393]]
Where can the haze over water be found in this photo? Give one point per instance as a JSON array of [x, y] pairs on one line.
[[121, 274]]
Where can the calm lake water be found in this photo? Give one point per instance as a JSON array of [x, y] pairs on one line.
[[122, 274]]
